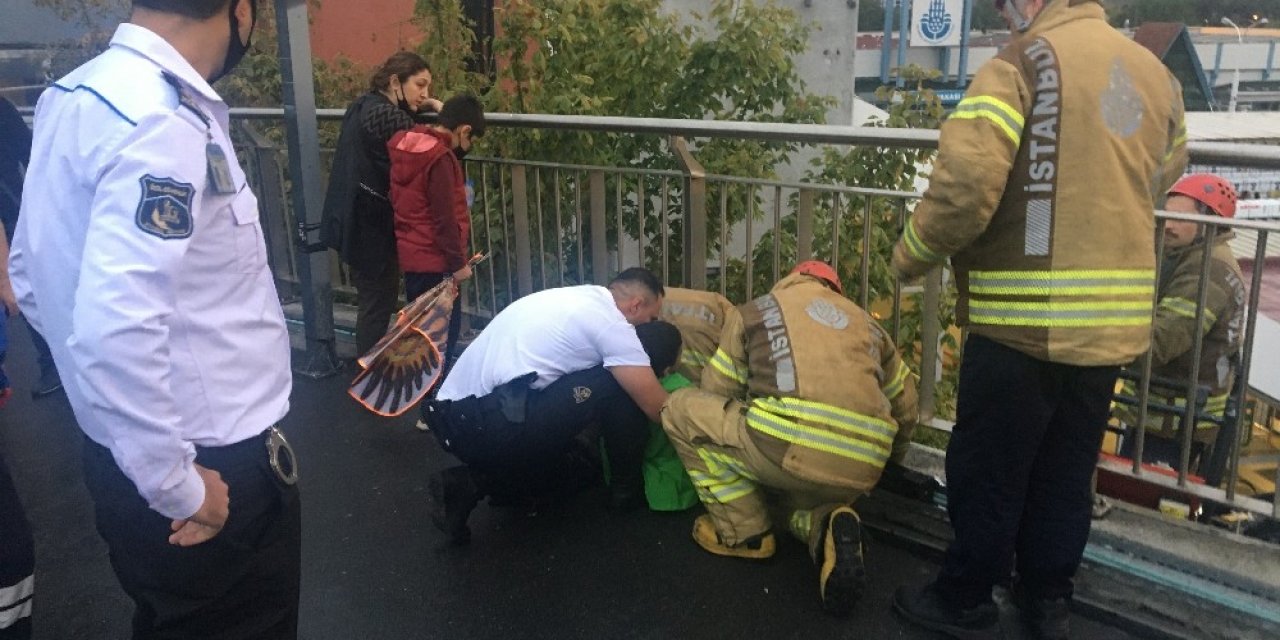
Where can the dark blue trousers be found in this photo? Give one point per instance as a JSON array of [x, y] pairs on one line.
[[1019, 470], [17, 562]]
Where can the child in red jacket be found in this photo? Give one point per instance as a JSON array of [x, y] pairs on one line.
[[431, 204]]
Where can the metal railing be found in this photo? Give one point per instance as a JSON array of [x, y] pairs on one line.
[[552, 224]]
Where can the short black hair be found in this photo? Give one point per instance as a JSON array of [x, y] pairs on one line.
[[642, 277], [460, 110], [661, 340], [198, 9]]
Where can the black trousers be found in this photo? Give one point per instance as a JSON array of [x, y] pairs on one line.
[[1019, 470], [242, 584], [17, 562], [416, 284], [377, 298], [528, 458]]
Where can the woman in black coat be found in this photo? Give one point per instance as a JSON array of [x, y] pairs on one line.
[[358, 221]]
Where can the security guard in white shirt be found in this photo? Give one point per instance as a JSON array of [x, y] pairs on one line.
[[140, 257], [546, 367]]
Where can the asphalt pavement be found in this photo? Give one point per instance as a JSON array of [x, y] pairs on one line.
[[374, 567]]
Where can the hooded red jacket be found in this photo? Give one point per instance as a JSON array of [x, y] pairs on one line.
[[429, 196]]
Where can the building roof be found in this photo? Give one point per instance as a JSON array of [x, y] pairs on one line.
[[1227, 126], [1158, 37]]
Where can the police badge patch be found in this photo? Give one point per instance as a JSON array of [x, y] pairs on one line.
[[165, 208]]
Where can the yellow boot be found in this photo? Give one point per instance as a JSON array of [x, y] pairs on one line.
[[759, 547], [842, 576]]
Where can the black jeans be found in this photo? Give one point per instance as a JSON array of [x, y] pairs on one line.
[[17, 562], [377, 297], [241, 584], [527, 458], [1019, 470]]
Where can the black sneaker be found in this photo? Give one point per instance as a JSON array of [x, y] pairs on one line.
[[1045, 619], [842, 574], [924, 606], [49, 384], [453, 496]]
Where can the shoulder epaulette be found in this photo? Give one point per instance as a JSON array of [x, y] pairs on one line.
[[184, 99]]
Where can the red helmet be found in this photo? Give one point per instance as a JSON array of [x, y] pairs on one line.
[[820, 270], [1209, 190]]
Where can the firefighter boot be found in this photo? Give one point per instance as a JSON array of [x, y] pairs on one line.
[[842, 576], [757, 547], [927, 607], [453, 495]]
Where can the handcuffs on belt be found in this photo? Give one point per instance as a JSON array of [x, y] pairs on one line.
[[281, 458]]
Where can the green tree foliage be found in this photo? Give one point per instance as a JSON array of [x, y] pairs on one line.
[[628, 58]]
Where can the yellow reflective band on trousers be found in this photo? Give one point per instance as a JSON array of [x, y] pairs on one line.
[[898, 382], [723, 364], [861, 450], [801, 523], [1091, 297], [1187, 309], [725, 479], [997, 111], [916, 246]]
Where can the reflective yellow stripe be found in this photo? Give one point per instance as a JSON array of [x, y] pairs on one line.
[[817, 439], [1055, 313], [994, 110], [725, 480], [693, 358], [723, 364], [1187, 309], [1215, 406], [1063, 282], [830, 416], [898, 382], [916, 247], [801, 523]]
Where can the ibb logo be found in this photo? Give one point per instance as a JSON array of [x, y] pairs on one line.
[[936, 23]]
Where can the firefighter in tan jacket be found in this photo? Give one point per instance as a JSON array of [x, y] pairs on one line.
[[806, 397], [699, 315], [1173, 336], [1042, 195]]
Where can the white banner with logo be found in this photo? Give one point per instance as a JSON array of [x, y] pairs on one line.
[[936, 23]]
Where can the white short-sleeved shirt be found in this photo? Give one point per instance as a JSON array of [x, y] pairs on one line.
[[551, 333], [151, 288]]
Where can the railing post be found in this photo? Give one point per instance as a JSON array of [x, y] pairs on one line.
[[269, 187], [520, 221], [804, 226], [294, 38], [599, 242], [695, 216], [930, 330]]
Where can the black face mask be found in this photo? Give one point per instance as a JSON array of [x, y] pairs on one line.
[[235, 48], [460, 152], [403, 103]]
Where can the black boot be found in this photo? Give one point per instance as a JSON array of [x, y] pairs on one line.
[[842, 574], [1045, 618], [453, 496], [927, 607]]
